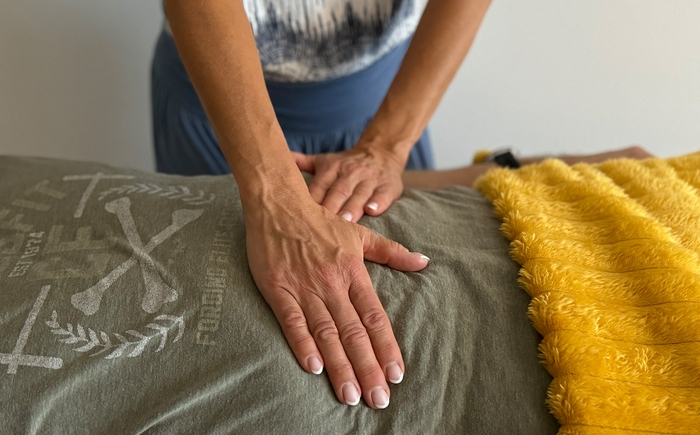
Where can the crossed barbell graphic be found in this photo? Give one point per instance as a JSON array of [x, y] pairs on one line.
[[157, 291]]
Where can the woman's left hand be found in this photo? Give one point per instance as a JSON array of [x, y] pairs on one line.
[[350, 183]]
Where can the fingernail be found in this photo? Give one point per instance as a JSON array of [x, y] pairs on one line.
[[380, 398], [347, 216], [421, 256], [394, 373], [373, 206], [350, 394], [314, 364]]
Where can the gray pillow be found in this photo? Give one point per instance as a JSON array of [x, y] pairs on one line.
[[127, 306]]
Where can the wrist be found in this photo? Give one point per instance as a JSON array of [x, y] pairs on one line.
[[396, 126], [269, 206], [275, 183], [265, 174], [264, 167], [395, 148]]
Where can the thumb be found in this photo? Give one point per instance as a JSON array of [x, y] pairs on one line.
[[384, 251], [305, 162]]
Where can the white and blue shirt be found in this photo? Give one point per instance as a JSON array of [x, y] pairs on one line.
[[315, 40]]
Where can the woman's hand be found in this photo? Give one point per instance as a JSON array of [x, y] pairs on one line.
[[307, 262], [308, 265], [363, 179]]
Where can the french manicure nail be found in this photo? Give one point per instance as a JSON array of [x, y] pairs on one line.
[[347, 216], [394, 373], [380, 398], [350, 394], [314, 364], [421, 256], [373, 206]]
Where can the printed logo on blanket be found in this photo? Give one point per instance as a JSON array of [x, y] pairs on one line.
[[78, 273]]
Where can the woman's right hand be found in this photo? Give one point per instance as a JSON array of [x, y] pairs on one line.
[[308, 265]]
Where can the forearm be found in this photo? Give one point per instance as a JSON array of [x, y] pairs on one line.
[[217, 47], [442, 39]]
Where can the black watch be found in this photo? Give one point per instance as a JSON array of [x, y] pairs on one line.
[[505, 158]]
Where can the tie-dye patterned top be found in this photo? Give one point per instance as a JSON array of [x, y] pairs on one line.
[[315, 40]]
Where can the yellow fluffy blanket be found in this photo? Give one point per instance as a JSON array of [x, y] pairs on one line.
[[610, 255]]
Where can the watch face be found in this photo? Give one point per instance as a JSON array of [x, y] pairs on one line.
[[507, 160]]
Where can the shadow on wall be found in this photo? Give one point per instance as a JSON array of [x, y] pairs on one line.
[[74, 80]]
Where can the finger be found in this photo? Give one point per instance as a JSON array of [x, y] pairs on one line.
[[338, 367], [354, 206], [378, 326], [306, 163], [360, 352], [380, 201], [296, 330], [339, 193], [321, 183], [384, 251]]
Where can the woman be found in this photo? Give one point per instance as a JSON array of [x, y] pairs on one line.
[[345, 76]]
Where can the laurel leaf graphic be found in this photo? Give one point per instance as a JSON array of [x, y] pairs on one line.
[[139, 347], [182, 193], [163, 334], [69, 340], [93, 340], [88, 346]]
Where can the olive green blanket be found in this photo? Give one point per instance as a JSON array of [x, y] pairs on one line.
[[126, 306]]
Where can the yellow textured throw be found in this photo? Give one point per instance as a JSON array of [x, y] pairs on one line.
[[610, 255]]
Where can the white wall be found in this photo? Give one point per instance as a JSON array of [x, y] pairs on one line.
[[74, 79], [545, 76], [577, 77]]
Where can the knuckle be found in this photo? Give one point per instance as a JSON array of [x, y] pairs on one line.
[[363, 171], [341, 190], [325, 331], [356, 270], [354, 335], [369, 371], [396, 248], [293, 319], [328, 275], [388, 249], [275, 280], [333, 163], [374, 319], [340, 366]]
